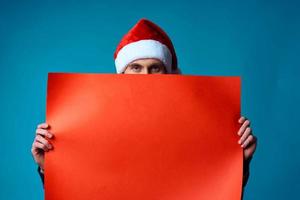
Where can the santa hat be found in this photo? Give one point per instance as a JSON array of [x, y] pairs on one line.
[[146, 40]]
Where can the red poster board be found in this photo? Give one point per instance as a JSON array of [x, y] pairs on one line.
[[143, 137]]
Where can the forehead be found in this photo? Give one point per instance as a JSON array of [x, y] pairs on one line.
[[147, 62]]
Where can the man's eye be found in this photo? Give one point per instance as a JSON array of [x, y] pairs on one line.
[[135, 68], [156, 69]]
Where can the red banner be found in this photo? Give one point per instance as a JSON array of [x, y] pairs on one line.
[[143, 137]]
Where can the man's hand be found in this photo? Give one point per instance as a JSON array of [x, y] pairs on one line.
[[247, 140], [41, 144]]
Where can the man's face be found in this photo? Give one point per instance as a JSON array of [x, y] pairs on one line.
[[145, 66]]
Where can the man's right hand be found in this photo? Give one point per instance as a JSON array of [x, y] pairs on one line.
[[41, 144]]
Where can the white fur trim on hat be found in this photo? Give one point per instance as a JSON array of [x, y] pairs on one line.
[[143, 49]]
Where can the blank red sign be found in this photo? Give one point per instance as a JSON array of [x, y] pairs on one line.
[[143, 137]]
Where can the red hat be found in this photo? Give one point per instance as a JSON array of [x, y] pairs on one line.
[[146, 40]]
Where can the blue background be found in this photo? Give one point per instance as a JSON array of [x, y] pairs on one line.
[[258, 40]]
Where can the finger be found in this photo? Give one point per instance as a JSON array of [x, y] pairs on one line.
[[39, 146], [243, 127], [43, 125], [44, 133], [248, 141], [43, 141], [245, 135], [242, 119]]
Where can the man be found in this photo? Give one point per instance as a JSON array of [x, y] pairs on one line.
[[145, 49]]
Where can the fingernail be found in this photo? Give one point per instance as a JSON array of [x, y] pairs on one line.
[[239, 141]]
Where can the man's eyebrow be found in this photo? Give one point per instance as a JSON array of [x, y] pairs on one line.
[[156, 64], [134, 64]]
